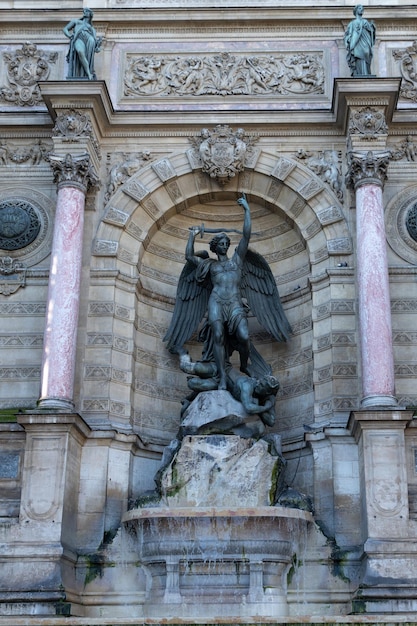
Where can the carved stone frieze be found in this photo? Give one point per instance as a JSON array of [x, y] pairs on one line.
[[330, 215], [26, 340], [222, 152], [404, 305], [23, 309], [367, 167], [29, 154], [73, 170], [12, 275], [367, 121], [25, 67], [283, 168], [407, 149], [101, 308], [326, 164], [407, 58], [104, 247], [30, 372], [343, 245], [121, 167], [225, 74]]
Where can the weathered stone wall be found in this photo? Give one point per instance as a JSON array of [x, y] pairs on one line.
[[168, 70]]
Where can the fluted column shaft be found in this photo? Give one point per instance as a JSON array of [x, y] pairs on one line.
[[367, 173]]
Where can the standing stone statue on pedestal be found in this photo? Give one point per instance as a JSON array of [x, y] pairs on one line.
[[359, 39], [84, 43]]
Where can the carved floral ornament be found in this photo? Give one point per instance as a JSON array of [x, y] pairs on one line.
[[29, 154], [224, 74], [367, 168], [25, 67], [75, 171], [221, 152]]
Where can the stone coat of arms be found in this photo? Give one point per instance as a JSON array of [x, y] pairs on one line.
[[222, 152]]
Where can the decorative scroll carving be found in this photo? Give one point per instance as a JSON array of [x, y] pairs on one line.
[[29, 154], [326, 165], [73, 170], [368, 121], [14, 273], [121, 166], [73, 126], [225, 74], [407, 58], [25, 68], [367, 167], [222, 152]]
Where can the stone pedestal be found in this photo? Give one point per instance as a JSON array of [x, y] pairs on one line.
[[388, 535], [47, 523]]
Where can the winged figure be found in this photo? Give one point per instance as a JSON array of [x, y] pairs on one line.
[[223, 290]]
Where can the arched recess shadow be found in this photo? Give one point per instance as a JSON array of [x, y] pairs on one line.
[[298, 225]]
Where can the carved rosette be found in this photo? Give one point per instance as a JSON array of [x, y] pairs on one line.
[[74, 171]]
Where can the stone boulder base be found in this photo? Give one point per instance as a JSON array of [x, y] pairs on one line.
[[220, 471]]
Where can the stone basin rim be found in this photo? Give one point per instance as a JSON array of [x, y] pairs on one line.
[[207, 512]]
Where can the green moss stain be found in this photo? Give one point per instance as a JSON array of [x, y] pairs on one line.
[[97, 562], [338, 555], [8, 416], [295, 564]]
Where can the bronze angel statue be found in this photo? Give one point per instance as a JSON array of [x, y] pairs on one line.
[[223, 290]]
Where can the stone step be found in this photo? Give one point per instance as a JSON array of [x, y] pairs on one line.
[[345, 620]]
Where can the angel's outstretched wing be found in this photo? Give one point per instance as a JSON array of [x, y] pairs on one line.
[[259, 288], [190, 306]]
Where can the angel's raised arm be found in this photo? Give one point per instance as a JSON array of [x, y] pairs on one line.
[[189, 249], [247, 227]]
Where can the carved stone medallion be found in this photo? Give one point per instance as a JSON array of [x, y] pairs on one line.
[[222, 152], [19, 224], [25, 68]]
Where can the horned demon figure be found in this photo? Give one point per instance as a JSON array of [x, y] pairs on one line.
[[223, 290]]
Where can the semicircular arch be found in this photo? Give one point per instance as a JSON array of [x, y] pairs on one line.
[[298, 225]]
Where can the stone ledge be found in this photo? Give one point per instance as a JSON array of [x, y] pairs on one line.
[[370, 620]]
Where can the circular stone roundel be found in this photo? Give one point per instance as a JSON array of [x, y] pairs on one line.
[[411, 221], [19, 224], [401, 225]]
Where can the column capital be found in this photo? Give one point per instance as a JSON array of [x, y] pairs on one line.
[[75, 171], [367, 168]]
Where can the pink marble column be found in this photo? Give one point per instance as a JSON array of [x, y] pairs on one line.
[[367, 174], [60, 338]]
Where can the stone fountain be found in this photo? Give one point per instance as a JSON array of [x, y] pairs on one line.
[[217, 534]]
